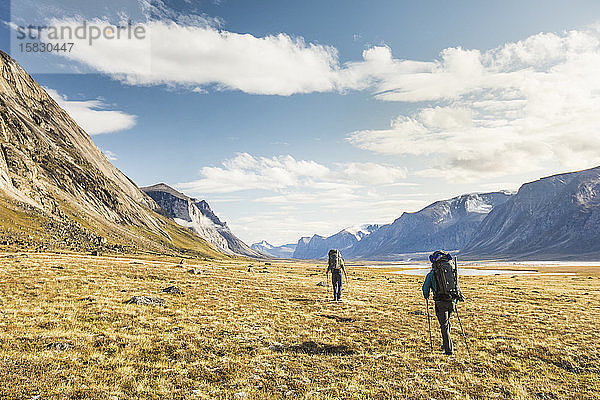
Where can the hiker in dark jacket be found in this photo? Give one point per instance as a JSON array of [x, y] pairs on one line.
[[444, 304], [336, 267]]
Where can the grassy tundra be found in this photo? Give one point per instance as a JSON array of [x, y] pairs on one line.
[[66, 333]]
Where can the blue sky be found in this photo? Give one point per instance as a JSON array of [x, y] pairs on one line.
[[294, 118]]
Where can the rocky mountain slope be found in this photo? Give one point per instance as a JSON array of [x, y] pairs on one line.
[[198, 217], [556, 217], [447, 224], [58, 191], [317, 246], [283, 251]]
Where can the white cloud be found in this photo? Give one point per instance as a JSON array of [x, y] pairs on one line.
[[301, 196], [518, 108], [370, 173], [247, 172], [92, 115], [284, 218], [199, 55]]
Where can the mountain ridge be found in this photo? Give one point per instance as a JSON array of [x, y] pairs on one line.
[[554, 217], [283, 251], [197, 216], [444, 224], [58, 191], [317, 246]]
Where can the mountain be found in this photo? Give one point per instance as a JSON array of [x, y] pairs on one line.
[[317, 247], [57, 189], [198, 217], [553, 218], [447, 224], [283, 251]]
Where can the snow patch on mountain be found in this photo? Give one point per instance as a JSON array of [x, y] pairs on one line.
[[553, 218], [317, 247], [361, 231], [263, 245], [445, 224], [266, 248], [476, 204]]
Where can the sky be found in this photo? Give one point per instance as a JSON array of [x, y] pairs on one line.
[[301, 117]]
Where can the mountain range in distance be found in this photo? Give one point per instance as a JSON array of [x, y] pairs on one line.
[[446, 224], [283, 251], [553, 218], [318, 246]]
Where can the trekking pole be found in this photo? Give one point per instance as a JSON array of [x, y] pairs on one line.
[[463, 333], [429, 324], [346, 275]]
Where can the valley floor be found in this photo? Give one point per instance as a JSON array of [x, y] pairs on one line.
[[66, 333]]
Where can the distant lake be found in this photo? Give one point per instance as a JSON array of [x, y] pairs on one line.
[[421, 269], [465, 271]]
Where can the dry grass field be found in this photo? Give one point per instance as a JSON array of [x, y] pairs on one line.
[[67, 333]]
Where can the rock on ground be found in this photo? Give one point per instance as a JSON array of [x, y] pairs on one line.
[[172, 290], [146, 300], [59, 346]]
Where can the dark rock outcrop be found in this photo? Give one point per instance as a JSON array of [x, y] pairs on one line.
[[199, 218]]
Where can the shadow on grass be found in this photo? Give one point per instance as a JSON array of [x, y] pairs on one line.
[[338, 318], [311, 347]]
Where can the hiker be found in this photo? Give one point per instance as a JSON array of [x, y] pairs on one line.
[[336, 266], [443, 282]]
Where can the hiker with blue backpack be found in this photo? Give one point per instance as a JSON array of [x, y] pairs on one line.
[[336, 267], [442, 280]]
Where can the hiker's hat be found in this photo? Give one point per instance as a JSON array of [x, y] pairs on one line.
[[439, 254]]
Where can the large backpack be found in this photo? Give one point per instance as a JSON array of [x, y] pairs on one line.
[[335, 260], [446, 277]]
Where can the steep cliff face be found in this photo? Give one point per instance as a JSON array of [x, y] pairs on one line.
[[198, 217], [43, 150], [50, 168], [317, 246], [447, 224], [557, 217]]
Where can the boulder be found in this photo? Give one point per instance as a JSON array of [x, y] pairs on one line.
[[146, 300], [172, 290]]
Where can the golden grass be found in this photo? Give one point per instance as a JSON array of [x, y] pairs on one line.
[[25, 228], [65, 333]]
